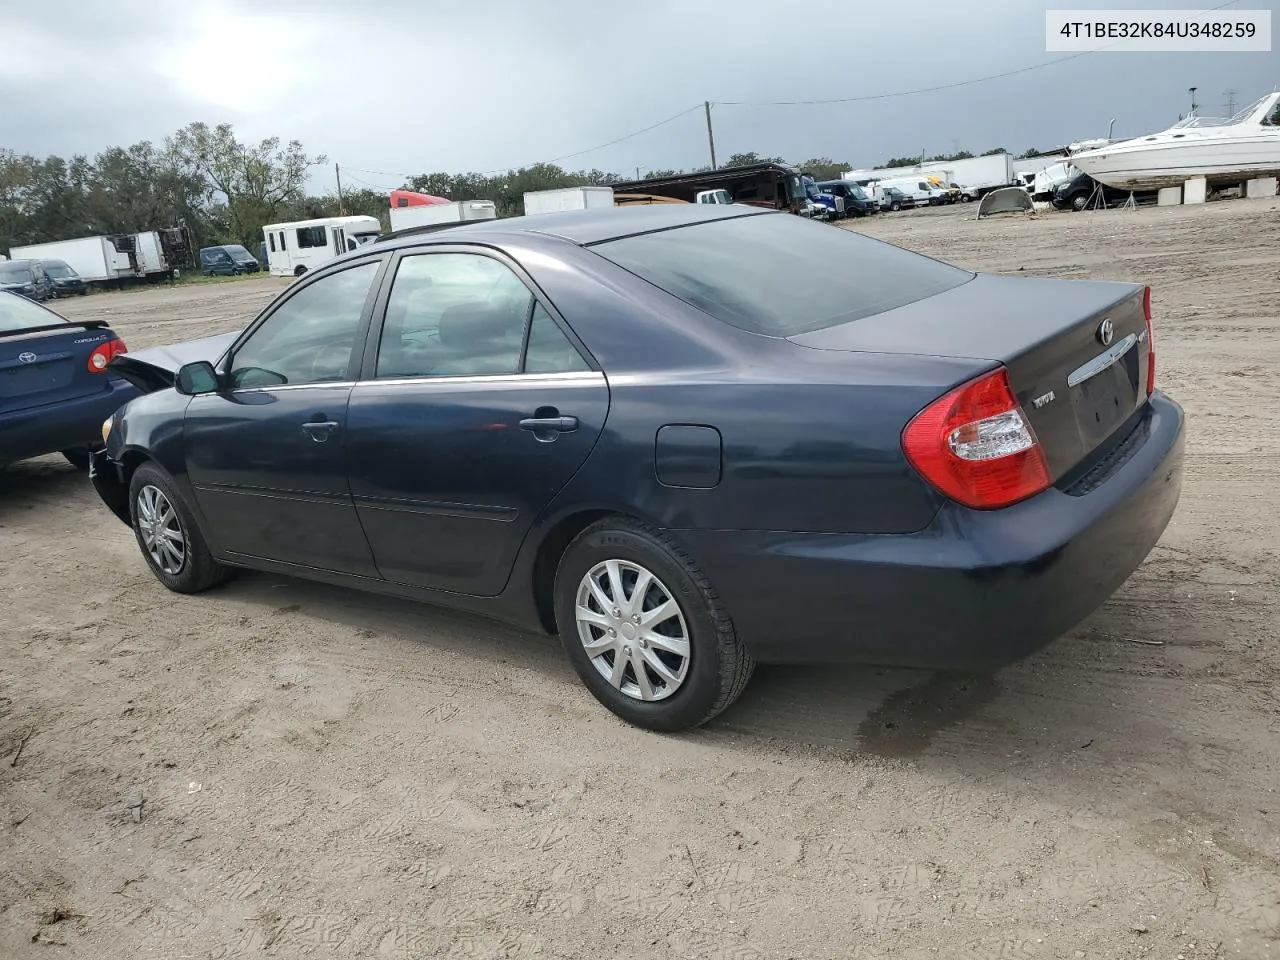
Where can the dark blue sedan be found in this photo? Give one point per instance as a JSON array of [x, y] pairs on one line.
[[55, 385], [687, 439]]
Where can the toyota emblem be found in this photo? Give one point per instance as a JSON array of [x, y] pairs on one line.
[[27, 357], [1105, 332]]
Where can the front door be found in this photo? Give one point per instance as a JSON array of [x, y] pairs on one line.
[[265, 455], [463, 432]]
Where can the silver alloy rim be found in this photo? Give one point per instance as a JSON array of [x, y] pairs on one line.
[[632, 630], [161, 532]]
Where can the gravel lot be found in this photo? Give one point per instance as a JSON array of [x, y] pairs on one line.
[[290, 770]]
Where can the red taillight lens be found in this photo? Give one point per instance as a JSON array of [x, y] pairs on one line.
[[103, 353], [1151, 341], [975, 445]]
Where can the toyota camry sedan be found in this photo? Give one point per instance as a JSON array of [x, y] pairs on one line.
[[685, 438]]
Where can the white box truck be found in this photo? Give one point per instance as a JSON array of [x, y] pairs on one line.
[[569, 198], [460, 211], [95, 259]]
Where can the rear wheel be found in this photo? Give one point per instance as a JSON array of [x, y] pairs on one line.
[[171, 543], [299, 270], [645, 630]]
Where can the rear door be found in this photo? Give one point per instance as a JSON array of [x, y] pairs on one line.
[[476, 407], [44, 358]]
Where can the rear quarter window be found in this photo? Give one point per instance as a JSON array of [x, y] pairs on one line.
[[18, 313], [780, 275]]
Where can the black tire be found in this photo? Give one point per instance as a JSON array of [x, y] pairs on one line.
[[718, 665], [198, 571], [299, 270], [1079, 202], [895, 207], [78, 457]]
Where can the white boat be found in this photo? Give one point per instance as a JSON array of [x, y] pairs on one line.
[[1223, 151]]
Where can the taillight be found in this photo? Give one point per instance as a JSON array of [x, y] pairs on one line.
[[103, 353], [1151, 341], [975, 445]]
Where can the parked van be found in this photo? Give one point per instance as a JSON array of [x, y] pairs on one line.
[[920, 191], [227, 260], [294, 248]]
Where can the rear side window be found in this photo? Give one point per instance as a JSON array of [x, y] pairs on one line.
[[781, 275]]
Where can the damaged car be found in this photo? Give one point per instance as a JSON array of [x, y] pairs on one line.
[[635, 429]]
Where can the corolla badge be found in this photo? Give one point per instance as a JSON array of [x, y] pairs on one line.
[[27, 357], [1106, 330]]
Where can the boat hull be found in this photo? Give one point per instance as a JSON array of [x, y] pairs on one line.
[[1153, 166]]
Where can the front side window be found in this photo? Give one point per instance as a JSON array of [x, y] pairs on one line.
[[310, 337]]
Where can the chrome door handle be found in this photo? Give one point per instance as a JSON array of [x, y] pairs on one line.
[[319, 430]]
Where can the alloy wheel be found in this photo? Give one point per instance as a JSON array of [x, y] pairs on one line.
[[632, 630], [161, 531]]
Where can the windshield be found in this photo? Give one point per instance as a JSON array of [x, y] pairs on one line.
[[14, 274], [19, 313], [856, 191], [60, 271], [363, 238], [779, 275], [238, 252]]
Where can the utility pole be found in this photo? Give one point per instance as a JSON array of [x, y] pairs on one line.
[[637, 173], [342, 208], [711, 139], [1231, 103]]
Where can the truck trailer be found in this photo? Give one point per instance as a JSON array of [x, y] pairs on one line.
[[102, 261], [461, 211], [975, 176], [568, 198]]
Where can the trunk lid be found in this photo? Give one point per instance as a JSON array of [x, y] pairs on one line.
[[154, 368], [1075, 389], [50, 363]]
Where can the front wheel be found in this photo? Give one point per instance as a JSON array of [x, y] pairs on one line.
[[166, 531], [645, 630]]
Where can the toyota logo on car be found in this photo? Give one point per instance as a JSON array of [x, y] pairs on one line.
[[27, 357]]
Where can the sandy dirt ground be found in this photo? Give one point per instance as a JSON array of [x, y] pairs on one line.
[[289, 770]]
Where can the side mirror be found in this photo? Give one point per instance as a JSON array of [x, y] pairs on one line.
[[196, 378]]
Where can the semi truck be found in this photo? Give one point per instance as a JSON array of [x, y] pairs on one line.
[[459, 211]]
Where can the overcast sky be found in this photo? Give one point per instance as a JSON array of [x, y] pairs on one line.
[[407, 86]]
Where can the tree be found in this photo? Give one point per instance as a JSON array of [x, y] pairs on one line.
[[1029, 152], [748, 159], [824, 168], [255, 181], [993, 151]]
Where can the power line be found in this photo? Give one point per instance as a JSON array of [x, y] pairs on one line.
[[566, 156], [941, 86], [782, 103]]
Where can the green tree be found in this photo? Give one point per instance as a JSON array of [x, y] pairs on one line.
[[255, 181]]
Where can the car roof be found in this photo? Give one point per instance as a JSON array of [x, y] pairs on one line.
[[584, 227]]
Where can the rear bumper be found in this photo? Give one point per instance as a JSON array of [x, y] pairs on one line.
[[59, 426], [974, 591]]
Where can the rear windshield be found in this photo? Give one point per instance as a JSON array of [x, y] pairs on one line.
[[779, 274], [18, 313]]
